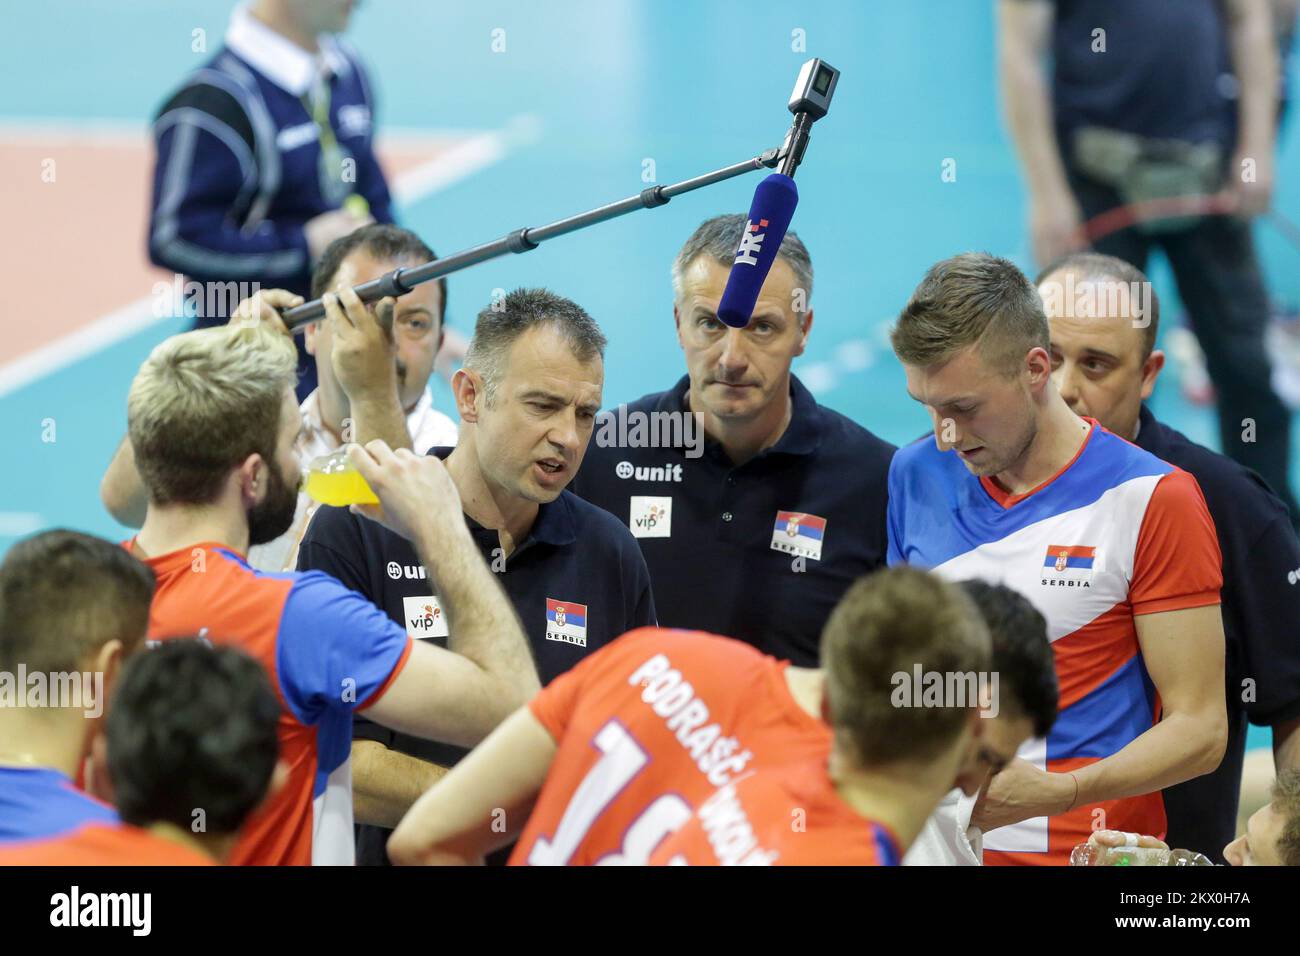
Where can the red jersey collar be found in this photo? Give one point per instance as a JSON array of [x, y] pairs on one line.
[[1007, 500]]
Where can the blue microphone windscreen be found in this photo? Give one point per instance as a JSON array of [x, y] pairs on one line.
[[769, 218]]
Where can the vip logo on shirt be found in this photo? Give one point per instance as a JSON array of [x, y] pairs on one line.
[[799, 534], [1068, 565], [566, 621], [424, 617], [650, 516]]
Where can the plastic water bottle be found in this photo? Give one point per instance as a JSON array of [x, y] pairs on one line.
[[333, 480], [1091, 854]]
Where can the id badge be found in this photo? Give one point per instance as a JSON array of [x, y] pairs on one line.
[[337, 172]]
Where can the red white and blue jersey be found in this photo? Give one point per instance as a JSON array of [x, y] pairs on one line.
[[328, 652], [39, 803], [1115, 534]]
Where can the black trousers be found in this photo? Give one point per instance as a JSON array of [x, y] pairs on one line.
[[1222, 287]]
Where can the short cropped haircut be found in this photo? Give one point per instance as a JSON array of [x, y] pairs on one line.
[[885, 625], [203, 402], [64, 595], [719, 237], [384, 241], [501, 324], [972, 299], [1022, 653], [1286, 794], [1095, 267], [192, 728]]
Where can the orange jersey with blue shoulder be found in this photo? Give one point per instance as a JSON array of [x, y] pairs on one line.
[[646, 728], [40, 803], [98, 844], [328, 651], [780, 816]]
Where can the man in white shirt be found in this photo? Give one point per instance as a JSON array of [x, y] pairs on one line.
[[358, 365]]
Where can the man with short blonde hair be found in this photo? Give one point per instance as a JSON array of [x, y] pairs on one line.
[[207, 400], [215, 418], [1114, 546], [969, 300]]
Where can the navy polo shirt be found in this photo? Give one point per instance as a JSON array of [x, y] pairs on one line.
[[1261, 625], [577, 581], [1160, 74], [762, 551]]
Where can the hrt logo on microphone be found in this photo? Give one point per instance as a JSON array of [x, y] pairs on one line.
[[751, 243]]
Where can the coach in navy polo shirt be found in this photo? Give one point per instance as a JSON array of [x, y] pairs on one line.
[[1105, 363], [265, 157], [755, 507], [527, 398]]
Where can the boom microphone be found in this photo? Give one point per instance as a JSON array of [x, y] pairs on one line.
[[769, 218], [774, 203], [776, 196]]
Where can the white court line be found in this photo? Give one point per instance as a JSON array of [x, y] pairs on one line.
[[100, 334], [466, 157], [457, 163]]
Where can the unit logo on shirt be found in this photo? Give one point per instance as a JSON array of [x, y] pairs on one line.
[[424, 617], [650, 516], [566, 621], [1068, 566], [799, 534], [411, 571]]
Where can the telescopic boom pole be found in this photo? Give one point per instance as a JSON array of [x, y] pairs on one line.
[[810, 101]]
